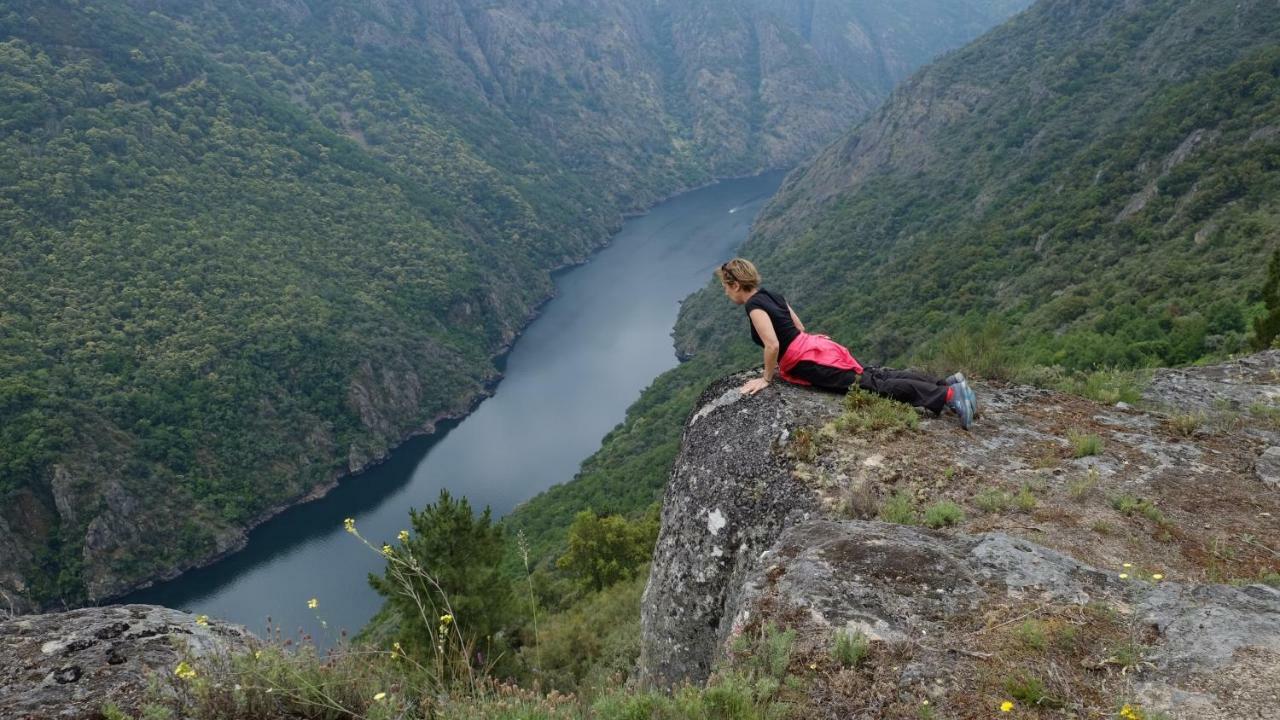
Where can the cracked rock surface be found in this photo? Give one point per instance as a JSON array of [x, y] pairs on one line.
[[68, 665]]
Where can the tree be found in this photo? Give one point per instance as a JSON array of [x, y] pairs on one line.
[[1267, 327], [449, 563], [606, 549]]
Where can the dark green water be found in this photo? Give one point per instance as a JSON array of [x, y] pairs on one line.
[[568, 380]]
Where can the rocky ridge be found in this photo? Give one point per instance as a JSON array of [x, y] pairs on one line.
[[1108, 554]]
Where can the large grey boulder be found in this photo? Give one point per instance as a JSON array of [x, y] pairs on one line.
[[68, 665], [730, 494], [761, 525]]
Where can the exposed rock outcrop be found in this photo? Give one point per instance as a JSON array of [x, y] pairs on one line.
[[1117, 527], [68, 665], [730, 495]]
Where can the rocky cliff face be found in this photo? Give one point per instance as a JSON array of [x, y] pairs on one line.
[[1110, 553]]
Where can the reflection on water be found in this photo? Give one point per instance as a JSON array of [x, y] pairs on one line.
[[569, 380]]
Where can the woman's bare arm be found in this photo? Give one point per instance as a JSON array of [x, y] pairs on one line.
[[795, 319], [764, 328]]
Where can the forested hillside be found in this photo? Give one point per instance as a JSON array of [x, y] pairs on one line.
[[1091, 185], [249, 246]]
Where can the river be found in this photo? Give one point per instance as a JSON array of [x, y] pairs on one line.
[[567, 381]]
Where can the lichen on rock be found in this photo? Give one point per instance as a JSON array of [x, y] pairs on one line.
[[68, 665]]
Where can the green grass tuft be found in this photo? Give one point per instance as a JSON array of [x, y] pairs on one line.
[[1084, 444], [850, 648], [943, 514], [1129, 506], [1025, 499], [899, 509], [867, 412], [1033, 634], [993, 500]]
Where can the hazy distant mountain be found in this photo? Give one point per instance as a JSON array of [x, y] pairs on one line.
[[248, 246]]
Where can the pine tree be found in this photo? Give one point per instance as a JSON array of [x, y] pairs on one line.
[[461, 553]]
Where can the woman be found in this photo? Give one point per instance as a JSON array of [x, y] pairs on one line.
[[817, 360]]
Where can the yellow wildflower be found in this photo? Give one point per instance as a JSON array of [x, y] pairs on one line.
[[380, 697], [257, 654], [1157, 576], [1006, 706], [313, 603], [1124, 576], [386, 550], [202, 619], [1129, 713], [1128, 565], [184, 671], [350, 525], [403, 536], [446, 619]]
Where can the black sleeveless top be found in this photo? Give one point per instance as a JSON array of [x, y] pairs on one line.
[[775, 306]]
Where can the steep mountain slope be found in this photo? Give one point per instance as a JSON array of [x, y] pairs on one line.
[[1095, 182], [1099, 177], [249, 246]]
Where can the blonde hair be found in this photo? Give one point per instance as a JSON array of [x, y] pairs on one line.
[[740, 272]]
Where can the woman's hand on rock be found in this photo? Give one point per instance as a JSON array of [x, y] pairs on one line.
[[751, 387]]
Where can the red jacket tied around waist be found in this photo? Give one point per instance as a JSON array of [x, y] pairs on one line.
[[818, 349]]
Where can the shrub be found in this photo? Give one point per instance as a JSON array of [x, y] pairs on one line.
[[1032, 634], [850, 648], [899, 509], [596, 638], [980, 349], [1025, 500], [1267, 327], [606, 549], [943, 514]]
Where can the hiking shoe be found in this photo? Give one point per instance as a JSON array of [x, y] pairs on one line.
[[973, 399], [961, 404], [959, 379]]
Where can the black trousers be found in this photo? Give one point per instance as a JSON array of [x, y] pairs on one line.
[[910, 387]]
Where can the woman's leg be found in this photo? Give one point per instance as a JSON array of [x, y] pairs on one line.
[[911, 388], [824, 377], [911, 375]]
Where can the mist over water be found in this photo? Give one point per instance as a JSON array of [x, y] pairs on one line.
[[568, 381]]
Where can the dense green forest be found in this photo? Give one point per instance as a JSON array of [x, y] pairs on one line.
[[1087, 187], [196, 270], [248, 247]]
